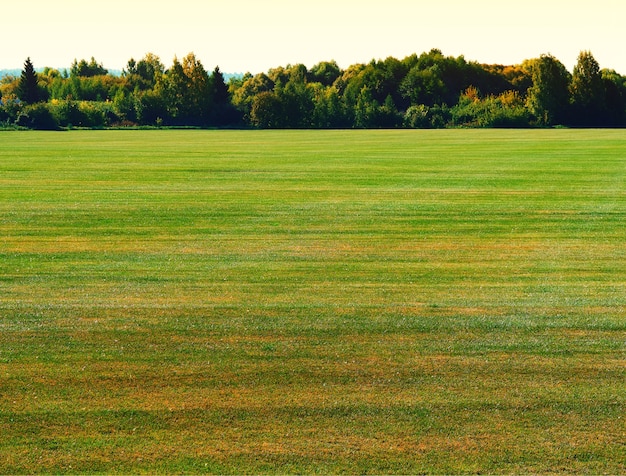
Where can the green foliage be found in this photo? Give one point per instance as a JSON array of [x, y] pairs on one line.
[[220, 92], [146, 73], [87, 114], [223, 112], [28, 89], [366, 109], [124, 104], [381, 79], [325, 73], [328, 109], [505, 110], [370, 114], [424, 87], [437, 79], [151, 108], [9, 110], [615, 98], [296, 103], [252, 86], [548, 98], [588, 92], [37, 116], [419, 91], [84, 69], [266, 111], [425, 117], [85, 88], [187, 92]]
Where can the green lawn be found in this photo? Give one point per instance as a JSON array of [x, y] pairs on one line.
[[313, 302]]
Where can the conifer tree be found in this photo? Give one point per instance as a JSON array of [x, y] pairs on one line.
[[28, 89], [221, 95]]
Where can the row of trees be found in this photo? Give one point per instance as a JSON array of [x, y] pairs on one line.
[[426, 91]]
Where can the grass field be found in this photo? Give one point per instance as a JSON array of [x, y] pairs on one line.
[[313, 302]]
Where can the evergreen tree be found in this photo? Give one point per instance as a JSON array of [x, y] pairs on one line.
[[221, 95], [28, 87], [84, 69], [223, 112]]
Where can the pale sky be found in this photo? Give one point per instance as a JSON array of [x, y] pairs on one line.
[[254, 36]]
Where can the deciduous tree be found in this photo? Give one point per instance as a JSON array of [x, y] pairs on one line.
[[187, 91], [146, 72], [266, 111], [615, 97], [325, 72], [587, 91], [548, 97]]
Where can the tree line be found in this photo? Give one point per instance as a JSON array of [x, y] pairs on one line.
[[430, 90]]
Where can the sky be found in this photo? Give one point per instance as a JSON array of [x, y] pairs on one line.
[[256, 35]]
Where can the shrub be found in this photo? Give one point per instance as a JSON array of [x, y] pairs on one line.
[[37, 116], [83, 114], [506, 110], [9, 110], [67, 113], [425, 117]]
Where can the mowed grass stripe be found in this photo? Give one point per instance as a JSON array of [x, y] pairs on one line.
[[312, 301]]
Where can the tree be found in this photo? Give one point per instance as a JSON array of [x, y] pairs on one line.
[[175, 89], [548, 97], [266, 111], [423, 86], [615, 97], [150, 107], [328, 111], [325, 72], [187, 92], [382, 79], [198, 98], [221, 95], [250, 87], [223, 113], [365, 109], [28, 90], [388, 115], [587, 91], [82, 68], [296, 99], [146, 72]]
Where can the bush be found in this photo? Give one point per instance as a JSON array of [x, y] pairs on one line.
[[94, 114], [83, 113], [506, 110], [37, 116], [9, 110], [66, 113], [424, 117], [150, 109]]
